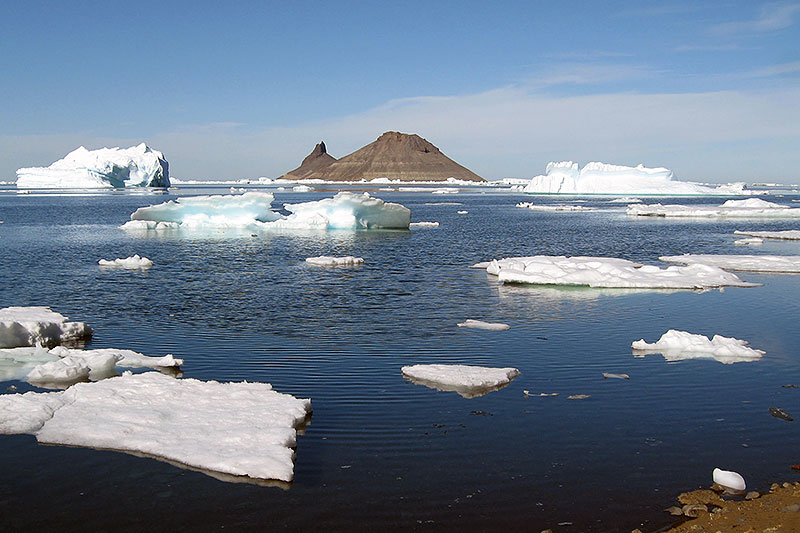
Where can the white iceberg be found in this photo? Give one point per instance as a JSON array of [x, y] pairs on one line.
[[326, 260], [38, 326], [468, 381], [601, 178], [607, 272], [253, 210], [556, 207], [137, 166], [788, 235], [728, 479], [750, 208], [677, 345], [133, 262], [241, 429], [778, 264], [480, 324]]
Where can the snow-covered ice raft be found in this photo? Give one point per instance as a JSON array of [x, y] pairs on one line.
[[468, 381], [788, 235], [327, 260], [750, 208], [240, 429], [607, 272], [38, 326], [134, 262], [677, 345], [778, 264]]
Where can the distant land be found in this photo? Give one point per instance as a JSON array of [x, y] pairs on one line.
[[394, 155]]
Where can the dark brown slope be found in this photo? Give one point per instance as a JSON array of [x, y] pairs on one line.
[[318, 159], [396, 156]]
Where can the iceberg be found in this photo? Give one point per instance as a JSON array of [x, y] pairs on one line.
[[778, 264], [38, 326], [788, 235], [133, 262], [468, 381], [253, 210], [750, 208], [325, 260], [607, 272], [137, 166], [240, 429], [602, 178], [677, 345]]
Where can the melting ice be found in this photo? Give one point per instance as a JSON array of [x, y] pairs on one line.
[[468, 381], [677, 345]]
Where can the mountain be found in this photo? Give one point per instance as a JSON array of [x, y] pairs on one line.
[[318, 159]]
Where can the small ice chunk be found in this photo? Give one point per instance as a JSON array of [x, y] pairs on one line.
[[553, 207], [38, 326], [789, 235], [424, 224], [728, 479], [63, 371], [750, 208], [746, 263], [302, 188], [326, 260], [677, 345], [607, 375], [749, 241], [462, 212], [479, 324], [468, 381], [133, 262]]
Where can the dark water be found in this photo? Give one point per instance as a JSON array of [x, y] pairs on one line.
[[381, 452]]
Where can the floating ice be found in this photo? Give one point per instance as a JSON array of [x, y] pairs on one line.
[[424, 224], [479, 324], [601, 178], [728, 479], [38, 326], [326, 260], [253, 210], [626, 200], [607, 272], [611, 375], [557, 207], [677, 345], [468, 381], [745, 263], [137, 166], [749, 241], [789, 235], [133, 262], [462, 212], [749, 208], [242, 429]]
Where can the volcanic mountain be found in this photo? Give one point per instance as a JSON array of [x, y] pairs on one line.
[[318, 159], [396, 156]]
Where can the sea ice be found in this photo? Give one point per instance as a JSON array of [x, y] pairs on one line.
[[424, 224], [789, 235], [468, 381], [601, 178], [133, 262], [745, 263], [677, 345], [253, 210], [38, 326], [480, 324], [749, 208], [749, 241], [242, 429], [326, 260], [137, 166], [556, 207], [728, 479], [607, 272]]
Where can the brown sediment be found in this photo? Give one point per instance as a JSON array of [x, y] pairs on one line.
[[776, 511]]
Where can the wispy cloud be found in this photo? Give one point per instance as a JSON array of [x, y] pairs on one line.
[[781, 69], [714, 48], [772, 17], [590, 73]]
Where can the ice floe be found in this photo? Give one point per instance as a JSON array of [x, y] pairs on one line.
[[468, 381], [749, 241], [137, 166], [133, 262], [677, 345], [601, 178], [788, 235], [553, 207], [749, 208], [745, 263], [480, 324], [424, 224], [326, 260], [253, 210], [607, 272], [241, 429], [38, 326]]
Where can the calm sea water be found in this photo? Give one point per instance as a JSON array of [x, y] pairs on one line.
[[381, 452]]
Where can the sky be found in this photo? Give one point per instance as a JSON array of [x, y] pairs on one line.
[[230, 90]]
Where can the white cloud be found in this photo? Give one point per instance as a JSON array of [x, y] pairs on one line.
[[772, 17]]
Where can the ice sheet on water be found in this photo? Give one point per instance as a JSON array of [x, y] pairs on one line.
[[554, 207], [326, 260], [468, 381], [749, 208], [745, 263], [750, 241], [677, 345], [242, 429], [38, 326], [789, 235], [133, 262], [480, 324], [607, 272], [424, 224]]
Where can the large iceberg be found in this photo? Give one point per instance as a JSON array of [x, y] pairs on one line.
[[601, 178], [778, 264], [607, 272], [240, 429], [677, 345], [749, 208], [137, 166], [38, 326], [253, 210]]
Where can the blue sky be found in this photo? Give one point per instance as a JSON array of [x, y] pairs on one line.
[[709, 89]]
